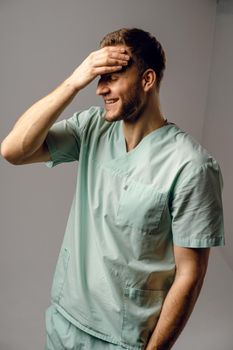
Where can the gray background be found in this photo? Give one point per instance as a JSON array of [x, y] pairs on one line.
[[42, 42]]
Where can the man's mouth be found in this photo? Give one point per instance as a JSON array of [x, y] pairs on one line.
[[110, 101]]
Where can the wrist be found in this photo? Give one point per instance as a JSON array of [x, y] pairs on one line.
[[71, 84]]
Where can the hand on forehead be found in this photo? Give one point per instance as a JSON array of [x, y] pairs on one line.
[[122, 49]]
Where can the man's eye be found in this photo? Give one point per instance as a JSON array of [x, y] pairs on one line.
[[108, 77], [114, 77]]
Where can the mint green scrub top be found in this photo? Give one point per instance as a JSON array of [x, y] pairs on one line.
[[116, 262]]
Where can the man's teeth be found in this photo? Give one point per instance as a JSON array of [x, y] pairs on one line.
[[110, 101]]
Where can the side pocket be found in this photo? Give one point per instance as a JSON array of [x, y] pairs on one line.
[[58, 329], [60, 274], [141, 313]]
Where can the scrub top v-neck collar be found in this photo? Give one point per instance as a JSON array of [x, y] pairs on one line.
[[144, 140]]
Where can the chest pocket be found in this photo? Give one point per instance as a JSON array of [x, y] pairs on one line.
[[140, 206]]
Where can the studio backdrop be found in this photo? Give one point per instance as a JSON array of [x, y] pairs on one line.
[[42, 42]]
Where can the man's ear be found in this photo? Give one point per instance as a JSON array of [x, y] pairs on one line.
[[148, 79]]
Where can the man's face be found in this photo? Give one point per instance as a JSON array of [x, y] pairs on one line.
[[122, 93]]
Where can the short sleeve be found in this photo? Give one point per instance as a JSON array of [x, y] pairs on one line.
[[197, 209], [64, 138]]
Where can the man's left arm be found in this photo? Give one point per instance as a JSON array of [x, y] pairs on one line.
[[191, 266]]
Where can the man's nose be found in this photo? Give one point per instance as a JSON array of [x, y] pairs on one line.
[[102, 89]]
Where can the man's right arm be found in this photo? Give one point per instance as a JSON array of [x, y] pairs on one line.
[[30, 130], [26, 141]]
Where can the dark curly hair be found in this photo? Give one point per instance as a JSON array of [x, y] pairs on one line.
[[146, 51]]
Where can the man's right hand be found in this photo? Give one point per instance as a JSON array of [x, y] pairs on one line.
[[109, 59]]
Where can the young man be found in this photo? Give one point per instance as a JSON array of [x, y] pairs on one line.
[[147, 206]]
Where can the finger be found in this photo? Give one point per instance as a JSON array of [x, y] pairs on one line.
[[110, 62], [115, 52], [107, 69], [104, 56], [119, 55], [111, 59], [113, 49]]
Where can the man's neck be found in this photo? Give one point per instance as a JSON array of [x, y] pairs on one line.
[[150, 120]]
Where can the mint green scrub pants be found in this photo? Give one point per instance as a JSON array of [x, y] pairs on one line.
[[61, 334]]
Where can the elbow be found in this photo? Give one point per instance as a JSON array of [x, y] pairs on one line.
[[7, 154]]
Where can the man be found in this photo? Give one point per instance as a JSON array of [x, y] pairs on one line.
[[147, 206]]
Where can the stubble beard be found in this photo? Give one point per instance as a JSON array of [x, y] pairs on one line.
[[131, 109]]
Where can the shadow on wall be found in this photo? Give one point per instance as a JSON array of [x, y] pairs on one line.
[[225, 6]]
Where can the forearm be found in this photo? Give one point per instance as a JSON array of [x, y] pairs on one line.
[[177, 308], [31, 128]]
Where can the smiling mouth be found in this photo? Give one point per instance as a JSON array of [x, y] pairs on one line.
[[111, 101]]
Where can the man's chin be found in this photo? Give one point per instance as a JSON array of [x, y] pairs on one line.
[[111, 117]]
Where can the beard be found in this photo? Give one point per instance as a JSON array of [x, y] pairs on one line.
[[131, 109]]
